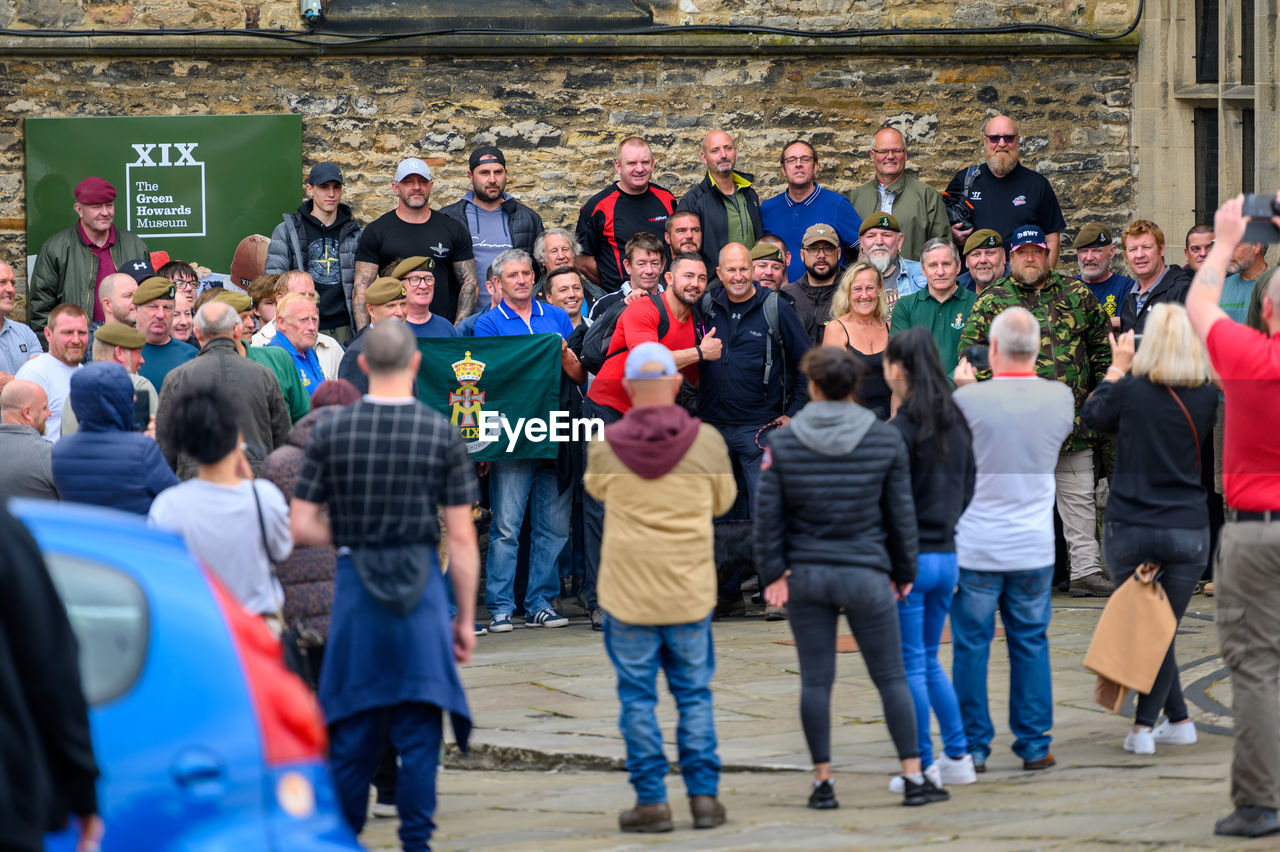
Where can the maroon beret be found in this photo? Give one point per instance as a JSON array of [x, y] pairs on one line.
[[95, 190]]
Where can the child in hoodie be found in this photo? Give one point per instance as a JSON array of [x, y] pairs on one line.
[[662, 476]]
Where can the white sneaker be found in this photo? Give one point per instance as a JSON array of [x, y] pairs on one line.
[[1181, 734], [1140, 742], [956, 771], [897, 784], [384, 810]]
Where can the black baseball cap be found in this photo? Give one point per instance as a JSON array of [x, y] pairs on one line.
[[487, 154], [323, 173], [140, 270]]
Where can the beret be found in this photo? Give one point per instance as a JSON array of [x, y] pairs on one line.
[[153, 288], [1092, 234], [239, 302], [119, 334], [95, 190], [384, 290], [767, 251], [880, 220], [986, 238], [409, 264]]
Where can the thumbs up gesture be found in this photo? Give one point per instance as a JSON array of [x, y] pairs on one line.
[[711, 346]]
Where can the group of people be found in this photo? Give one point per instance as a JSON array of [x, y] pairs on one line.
[[799, 354]]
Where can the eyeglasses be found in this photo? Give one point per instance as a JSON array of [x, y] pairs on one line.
[[820, 248], [794, 161], [1006, 138], [884, 152], [419, 280]]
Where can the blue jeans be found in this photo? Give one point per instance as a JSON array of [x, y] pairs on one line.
[[1023, 598], [685, 652], [743, 451], [921, 617], [356, 745], [511, 484]]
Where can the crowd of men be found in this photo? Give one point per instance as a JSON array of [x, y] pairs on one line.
[[735, 287]]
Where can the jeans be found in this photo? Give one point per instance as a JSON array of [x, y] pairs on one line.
[[1077, 505], [511, 484], [355, 747], [1023, 598], [745, 454], [921, 617], [1181, 554], [818, 593], [593, 511], [686, 654]]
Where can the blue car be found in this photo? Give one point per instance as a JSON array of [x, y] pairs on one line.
[[204, 740]]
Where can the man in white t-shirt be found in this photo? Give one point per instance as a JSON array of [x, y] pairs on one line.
[[1004, 540], [67, 332]]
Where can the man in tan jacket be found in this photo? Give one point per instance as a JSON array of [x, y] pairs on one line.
[[662, 476]]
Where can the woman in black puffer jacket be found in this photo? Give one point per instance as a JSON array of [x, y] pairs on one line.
[[835, 527]]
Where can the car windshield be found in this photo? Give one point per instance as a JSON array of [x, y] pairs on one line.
[[108, 613]]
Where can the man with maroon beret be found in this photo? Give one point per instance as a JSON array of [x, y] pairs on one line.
[[73, 262]]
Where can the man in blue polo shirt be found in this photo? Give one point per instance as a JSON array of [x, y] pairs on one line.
[[789, 214], [297, 324], [512, 483]]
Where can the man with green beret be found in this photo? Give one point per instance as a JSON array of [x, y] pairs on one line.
[[386, 298], [161, 353], [276, 360], [418, 276], [984, 260], [769, 264], [1095, 247], [115, 341]]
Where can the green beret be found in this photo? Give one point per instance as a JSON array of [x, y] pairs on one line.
[[119, 334], [409, 264], [986, 238], [239, 302], [384, 290], [1092, 235], [880, 220], [153, 288], [767, 251]]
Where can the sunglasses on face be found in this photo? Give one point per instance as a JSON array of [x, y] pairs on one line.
[[1006, 138]]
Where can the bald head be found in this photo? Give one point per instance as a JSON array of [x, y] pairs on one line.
[[719, 154], [116, 294], [216, 319], [24, 403]]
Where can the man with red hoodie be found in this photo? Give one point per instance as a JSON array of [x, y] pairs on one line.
[[662, 476]]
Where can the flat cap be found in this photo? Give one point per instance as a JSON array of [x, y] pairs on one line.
[[409, 264], [119, 334], [767, 251], [820, 233], [880, 220], [95, 190], [384, 290], [986, 238], [1092, 235], [153, 288], [239, 302]]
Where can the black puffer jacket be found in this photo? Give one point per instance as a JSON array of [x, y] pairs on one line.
[[835, 490]]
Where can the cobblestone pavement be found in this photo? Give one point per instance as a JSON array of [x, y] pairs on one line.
[[546, 770]]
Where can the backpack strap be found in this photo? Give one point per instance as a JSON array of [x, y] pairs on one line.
[[770, 308], [969, 178]]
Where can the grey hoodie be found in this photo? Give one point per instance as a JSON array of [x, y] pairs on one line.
[[832, 428]]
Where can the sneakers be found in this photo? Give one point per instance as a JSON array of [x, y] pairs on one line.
[[500, 624], [1182, 734], [898, 784], [924, 793], [546, 618], [1140, 742], [823, 797], [1248, 821], [646, 819], [956, 771], [707, 811], [481, 630], [384, 810], [597, 619], [1092, 586]]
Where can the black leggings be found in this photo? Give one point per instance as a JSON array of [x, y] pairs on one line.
[[813, 610]]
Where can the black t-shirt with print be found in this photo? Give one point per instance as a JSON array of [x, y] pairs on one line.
[[1022, 197], [389, 237]]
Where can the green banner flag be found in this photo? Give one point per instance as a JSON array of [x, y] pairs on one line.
[[496, 390]]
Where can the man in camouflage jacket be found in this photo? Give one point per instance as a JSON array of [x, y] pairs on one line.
[[1075, 351]]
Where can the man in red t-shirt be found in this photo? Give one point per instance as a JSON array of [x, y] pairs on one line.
[[1247, 576], [686, 281]]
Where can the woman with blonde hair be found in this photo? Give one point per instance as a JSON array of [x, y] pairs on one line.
[[1161, 410], [860, 323]]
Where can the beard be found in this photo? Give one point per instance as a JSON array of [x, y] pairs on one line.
[[881, 260], [815, 275], [1001, 164], [1029, 277]]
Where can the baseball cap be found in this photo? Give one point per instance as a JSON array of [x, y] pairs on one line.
[[95, 190], [1092, 234], [153, 288], [986, 238], [323, 173], [881, 220], [820, 233], [487, 154], [139, 269], [1027, 235], [767, 251], [250, 259], [649, 360], [412, 166]]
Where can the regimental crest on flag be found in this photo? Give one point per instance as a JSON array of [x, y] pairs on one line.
[[468, 399]]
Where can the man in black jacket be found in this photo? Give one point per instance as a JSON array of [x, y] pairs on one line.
[[1143, 244], [47, 768], [725, 201]]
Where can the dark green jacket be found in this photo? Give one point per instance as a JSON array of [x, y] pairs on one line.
[[918, 207], [278, 361], [1073, 336], [66, 271]]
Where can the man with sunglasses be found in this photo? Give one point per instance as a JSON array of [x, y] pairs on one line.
[[1004, 193]]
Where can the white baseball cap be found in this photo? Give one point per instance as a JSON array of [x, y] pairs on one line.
[[412, 166]]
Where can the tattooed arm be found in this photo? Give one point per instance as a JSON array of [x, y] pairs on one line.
[[365, 273], [465, 272]]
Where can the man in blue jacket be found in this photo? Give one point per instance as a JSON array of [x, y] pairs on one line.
[[756, 382]]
